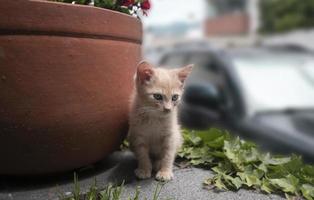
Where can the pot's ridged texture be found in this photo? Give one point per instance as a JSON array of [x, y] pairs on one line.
[[66, 75]]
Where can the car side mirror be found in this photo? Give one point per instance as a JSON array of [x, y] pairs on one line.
[[206, 95]]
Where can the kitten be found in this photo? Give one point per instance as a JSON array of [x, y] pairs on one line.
[[154, 133]]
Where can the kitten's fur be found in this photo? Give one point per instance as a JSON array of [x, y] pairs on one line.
[[154, 133]]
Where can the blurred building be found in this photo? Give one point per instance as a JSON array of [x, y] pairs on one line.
[[224, 23], [158, 39], [232, 17], [232, 21]]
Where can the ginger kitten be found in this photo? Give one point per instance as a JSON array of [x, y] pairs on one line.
[[154, 133]]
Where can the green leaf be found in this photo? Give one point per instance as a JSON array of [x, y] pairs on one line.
[[266, 186], [125, 10], [237, 182], [230, 149], [252, 180], [268, 160], [217, 154], [191, 138], [262, 167], [307, 191], [218, 170], [213, 137], [307, 174], [237, 163], [216, 143], [219, 183], [289, 184]]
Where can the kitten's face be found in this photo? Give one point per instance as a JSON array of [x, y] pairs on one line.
[[160, 89]]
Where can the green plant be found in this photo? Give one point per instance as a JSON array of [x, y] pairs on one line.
[[110, 192], [238, 163], [285, 15], [131, 7], [157, 191]]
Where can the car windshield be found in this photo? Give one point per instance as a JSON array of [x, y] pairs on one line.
[[275, 82]]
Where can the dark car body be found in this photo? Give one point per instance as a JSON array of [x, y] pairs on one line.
[[215, 96]]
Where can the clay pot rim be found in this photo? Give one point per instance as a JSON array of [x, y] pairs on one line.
[[39, 17]]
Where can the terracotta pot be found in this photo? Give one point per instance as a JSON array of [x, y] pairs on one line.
[[65, 79]]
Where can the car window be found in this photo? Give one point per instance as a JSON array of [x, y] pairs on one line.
[[276, 82], [174, 60], [206, 69], [200, 59], [204, 60]]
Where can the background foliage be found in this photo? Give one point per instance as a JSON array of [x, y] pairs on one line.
[[286, 15]]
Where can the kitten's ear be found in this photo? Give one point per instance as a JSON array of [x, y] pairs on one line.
[[184, 72], [144, 71]]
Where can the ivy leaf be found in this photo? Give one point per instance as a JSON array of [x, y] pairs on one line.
[[218, 170], [307, 191], [237, 182], [307, 174], [237, 163], [267, 186], [213, 138], [195, 141], [262, 167], [191, 139], [252, 180], [219, 183], [269, 160], [217, 154], [230, 150], [289, 184], [216, 143]]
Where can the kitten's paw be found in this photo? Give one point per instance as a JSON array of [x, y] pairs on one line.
[[143, 174], [164, 175]]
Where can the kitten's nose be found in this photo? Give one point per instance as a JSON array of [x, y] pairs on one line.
[[167, 107]]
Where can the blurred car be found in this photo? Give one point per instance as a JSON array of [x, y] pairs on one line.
[[263, 94]]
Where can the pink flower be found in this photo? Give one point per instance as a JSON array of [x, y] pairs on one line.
[[145, 5]]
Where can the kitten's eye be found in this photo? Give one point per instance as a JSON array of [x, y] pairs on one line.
[[157, 97], [175, 97]]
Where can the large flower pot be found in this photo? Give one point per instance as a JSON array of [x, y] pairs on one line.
[[66, 75]]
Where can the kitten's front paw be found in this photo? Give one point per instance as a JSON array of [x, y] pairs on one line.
[[143, 174], [164, 175]]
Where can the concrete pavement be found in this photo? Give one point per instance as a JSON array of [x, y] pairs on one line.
[[187, 184]]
